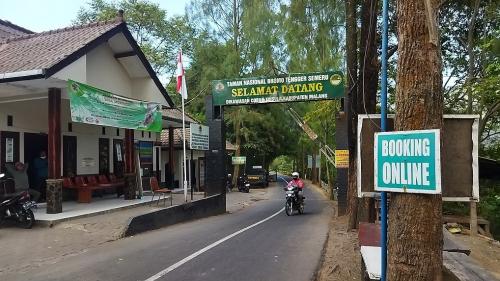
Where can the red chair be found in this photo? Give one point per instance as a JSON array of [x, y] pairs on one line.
[[68, 183], [118, 183], [103, 179], [84, 190], [114, 179], [155, 188], [80, 182]]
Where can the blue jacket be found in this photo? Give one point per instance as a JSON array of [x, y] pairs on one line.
[[41, 167]]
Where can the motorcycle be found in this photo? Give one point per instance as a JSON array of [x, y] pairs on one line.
[[18, 207], [243, 184], [293, 202]]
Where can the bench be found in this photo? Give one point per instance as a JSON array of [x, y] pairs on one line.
[[369, 242], [483, 224], [85, 187]]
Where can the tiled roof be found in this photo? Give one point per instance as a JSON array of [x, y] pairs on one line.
[[44, 50], [8, 29], [178, 139], [176, 114]]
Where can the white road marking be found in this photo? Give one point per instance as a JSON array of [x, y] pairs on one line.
[[195, 254]]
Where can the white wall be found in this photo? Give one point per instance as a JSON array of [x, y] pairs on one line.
[[32, 117], [105, 72], [77, 71], [145, 89]]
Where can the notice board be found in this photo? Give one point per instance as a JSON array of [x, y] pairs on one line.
[[459, 156]]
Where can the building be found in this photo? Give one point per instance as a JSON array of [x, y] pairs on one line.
[[35, 110]]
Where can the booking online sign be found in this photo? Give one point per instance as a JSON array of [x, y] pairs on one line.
[[408, 161]]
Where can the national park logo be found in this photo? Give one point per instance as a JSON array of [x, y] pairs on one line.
[[219, 87], [335, 79]]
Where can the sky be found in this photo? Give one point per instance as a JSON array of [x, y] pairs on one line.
[[42, 15]]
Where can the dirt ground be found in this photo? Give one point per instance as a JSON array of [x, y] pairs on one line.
[[341, 260], [341, 257], [485, 252]]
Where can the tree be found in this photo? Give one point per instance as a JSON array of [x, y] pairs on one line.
[[362, 92], [351, 106], [159, 36], [415, 221]]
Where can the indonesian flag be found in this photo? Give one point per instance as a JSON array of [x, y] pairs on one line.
[[181, 78]]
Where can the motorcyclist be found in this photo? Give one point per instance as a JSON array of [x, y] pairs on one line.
[[296, 181]]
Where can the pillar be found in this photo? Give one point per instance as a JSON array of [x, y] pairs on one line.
[[130, 176], [473, 218], [171, 158], [54, 181], [216, 157]]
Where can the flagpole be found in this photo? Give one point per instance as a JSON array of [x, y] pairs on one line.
[[184, 144], [181, 88]]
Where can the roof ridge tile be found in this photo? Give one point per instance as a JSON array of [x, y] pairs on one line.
[[60, 30]]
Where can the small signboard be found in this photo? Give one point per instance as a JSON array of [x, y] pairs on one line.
[[310, 161], [342, 158], [198, 139], [293, 87], [408, 161], [239, 160], [9, 150]]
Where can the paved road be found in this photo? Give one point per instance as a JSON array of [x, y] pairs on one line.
[[280, 248]]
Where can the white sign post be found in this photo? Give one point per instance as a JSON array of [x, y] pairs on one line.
[[408, 161], [198, 139]]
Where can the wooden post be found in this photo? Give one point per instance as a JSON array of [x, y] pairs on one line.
[[54, 182], [129, 151], [171, 161], [130, 176], [54, 137], [473, 218]]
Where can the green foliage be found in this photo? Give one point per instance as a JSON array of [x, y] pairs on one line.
[[159, 36], [489, 206], [283, 164]]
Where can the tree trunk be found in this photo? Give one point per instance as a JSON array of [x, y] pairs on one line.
[[314, 173], [351, 104], [368, 58], [237, 127], [415, 228], [368, 83]]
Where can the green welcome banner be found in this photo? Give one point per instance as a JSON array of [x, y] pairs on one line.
[[95, 106], [293, 87]]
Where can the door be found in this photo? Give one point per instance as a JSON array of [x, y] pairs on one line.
[[33, 145], [118, 157], [201, 174], [69, 156], [104, 156]]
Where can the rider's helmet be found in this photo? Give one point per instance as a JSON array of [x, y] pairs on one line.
[[295, 175]]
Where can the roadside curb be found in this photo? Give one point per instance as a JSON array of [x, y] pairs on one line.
[[321, 260], [51, 223], [198, 209]]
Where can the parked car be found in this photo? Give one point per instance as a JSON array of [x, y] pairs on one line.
[[258, 177]]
